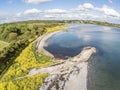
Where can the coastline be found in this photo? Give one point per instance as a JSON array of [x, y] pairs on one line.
[[70, 72], [41, 42], [67, 73], [79, 81]]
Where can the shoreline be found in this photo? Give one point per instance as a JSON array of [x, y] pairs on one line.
[[70, 72], [41, 42]]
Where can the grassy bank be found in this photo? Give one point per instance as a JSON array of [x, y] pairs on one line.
[[19, 35], [20, 68], [3, 45], [15, 76], [56, 28], [23, 63], [26, 83]]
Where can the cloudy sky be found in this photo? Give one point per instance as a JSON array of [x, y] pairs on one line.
[[18, 10]]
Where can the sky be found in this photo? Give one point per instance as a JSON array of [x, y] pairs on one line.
[[20, 10]]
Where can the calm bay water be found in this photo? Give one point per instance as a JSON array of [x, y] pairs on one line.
[[104, 66]]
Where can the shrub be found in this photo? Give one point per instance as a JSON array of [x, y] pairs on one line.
[[12, 36]]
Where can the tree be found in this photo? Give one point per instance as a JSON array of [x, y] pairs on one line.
[[35, 27], [12, 36]]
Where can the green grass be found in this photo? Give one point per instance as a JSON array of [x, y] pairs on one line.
[[26, 83], [3, 44]]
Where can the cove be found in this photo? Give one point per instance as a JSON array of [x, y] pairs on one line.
[[103, 68]]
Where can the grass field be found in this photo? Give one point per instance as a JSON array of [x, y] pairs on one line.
[[3, 44]]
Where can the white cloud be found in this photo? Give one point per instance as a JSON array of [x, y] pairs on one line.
[[49, 16], [18, 14], [85, 6], [56, 11], [88, 6], [110, 1], [110, 12], [31, 11], [86, 11], [35, 1]]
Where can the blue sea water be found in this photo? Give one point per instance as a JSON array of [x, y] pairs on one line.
[[104, 66]]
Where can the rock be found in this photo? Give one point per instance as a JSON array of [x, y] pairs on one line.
[[65, 74], [86, 53], [76, 77]]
